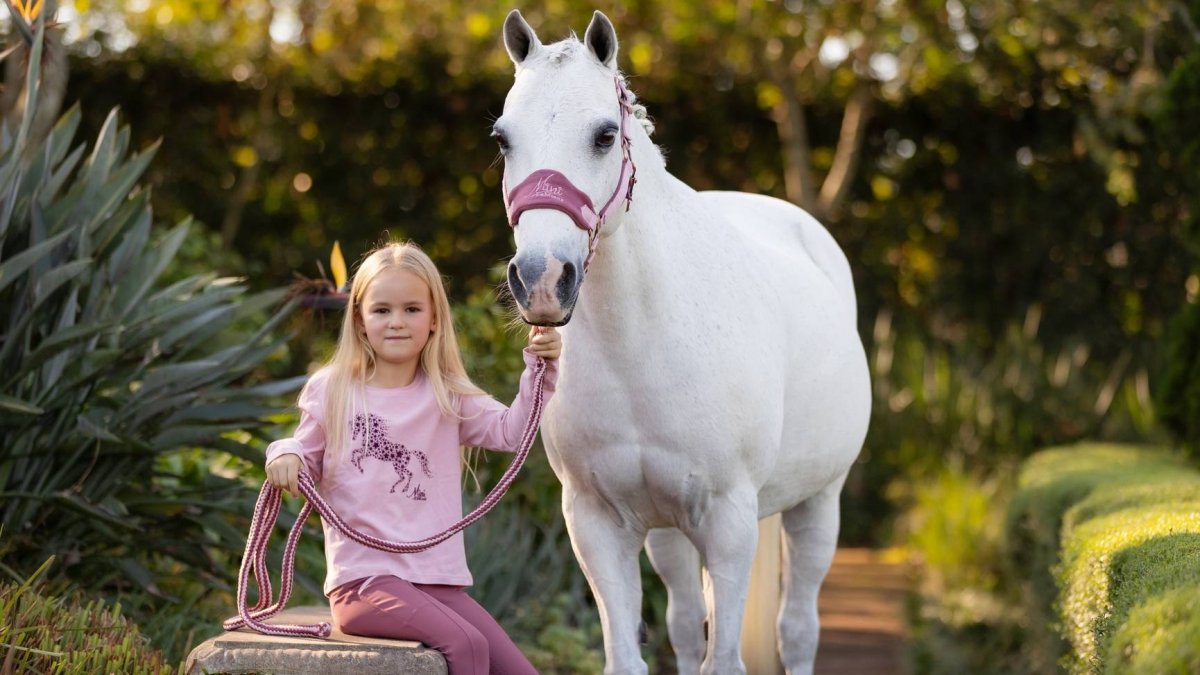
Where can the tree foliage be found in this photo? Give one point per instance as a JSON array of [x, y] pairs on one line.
[[1179, 121], [998, 155], [980, 162]]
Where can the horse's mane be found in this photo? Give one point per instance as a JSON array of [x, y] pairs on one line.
[[567, 48]]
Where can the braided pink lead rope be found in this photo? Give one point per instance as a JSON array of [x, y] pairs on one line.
[[267, 510]]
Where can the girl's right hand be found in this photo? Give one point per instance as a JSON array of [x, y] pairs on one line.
[[284, 473], [545, 342]]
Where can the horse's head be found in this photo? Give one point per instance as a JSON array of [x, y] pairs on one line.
[[564, 136]]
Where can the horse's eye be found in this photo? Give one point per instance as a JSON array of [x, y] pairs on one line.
[[501, 140], [605, 138]]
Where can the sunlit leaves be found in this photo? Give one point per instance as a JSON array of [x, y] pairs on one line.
[[364, 98]]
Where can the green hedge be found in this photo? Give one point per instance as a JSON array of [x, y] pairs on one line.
[[1108, 537]]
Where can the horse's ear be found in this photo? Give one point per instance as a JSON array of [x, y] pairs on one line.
[[519, 39], [601, 39]]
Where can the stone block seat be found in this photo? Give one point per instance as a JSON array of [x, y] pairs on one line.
[[245, 651]]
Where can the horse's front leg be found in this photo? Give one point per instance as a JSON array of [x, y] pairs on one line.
[[607, 546], [726, 536], [678, 564]]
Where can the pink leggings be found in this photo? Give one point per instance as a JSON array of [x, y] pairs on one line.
[[442, 617]]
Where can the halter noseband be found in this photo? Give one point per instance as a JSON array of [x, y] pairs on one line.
[[549, 189]]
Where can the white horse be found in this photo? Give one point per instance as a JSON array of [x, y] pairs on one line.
[[712, 372]]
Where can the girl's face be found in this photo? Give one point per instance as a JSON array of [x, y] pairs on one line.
[[397, 315]]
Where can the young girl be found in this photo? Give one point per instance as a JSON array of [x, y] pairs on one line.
[[380, 429]]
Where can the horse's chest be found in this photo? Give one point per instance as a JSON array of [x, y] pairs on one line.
[[654, 452], [665, 414]]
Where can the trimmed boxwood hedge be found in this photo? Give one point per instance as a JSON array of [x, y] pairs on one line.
[[1109, 539]]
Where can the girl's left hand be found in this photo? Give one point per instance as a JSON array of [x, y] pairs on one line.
[[545, 342]]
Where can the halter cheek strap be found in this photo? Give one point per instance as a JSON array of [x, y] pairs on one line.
[[550, 189]]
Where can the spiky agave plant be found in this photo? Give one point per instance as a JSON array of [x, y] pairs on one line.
[[108, 375]]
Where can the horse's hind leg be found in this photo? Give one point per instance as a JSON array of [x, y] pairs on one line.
[[678, 564], [405, 475], [810, 540]]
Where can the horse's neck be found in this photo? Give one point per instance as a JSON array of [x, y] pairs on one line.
[[639, 271]]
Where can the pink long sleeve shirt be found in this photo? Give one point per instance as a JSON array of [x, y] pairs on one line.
[[400, 475]]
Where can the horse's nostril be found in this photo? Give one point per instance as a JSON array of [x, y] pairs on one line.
[[566, 282], [515, 284]]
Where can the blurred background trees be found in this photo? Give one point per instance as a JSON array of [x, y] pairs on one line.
[[1015, 185]]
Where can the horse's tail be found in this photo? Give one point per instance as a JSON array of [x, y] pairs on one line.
[[424, 462]]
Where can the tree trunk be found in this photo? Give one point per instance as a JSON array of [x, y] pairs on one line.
[[793, 135], [836, 186]]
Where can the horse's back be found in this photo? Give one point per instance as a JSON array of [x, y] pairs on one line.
[[775, 227]]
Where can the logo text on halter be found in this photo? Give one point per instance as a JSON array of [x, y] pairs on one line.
[[544, 188]]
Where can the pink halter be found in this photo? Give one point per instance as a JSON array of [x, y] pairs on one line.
[[549, 189]]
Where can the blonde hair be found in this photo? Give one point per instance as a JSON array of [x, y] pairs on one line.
[[353, 362]]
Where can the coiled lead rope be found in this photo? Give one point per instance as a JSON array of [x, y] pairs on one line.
[[266, 511]]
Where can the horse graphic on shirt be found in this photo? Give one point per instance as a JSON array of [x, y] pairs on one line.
[[376, 444]]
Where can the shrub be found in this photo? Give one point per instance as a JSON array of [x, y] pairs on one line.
[[1109, 536], [1160, 636], [1125, 547], [70, 634], [1054, 480]]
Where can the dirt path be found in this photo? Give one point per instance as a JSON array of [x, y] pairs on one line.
[[862, 616]]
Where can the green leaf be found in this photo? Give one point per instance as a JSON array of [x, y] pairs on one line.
[[66, 320], [8, 170], [130, 214], [117, 189], [134, 287], [87, 369], [201, 326], [214, 412], [137, 572], [240, 450], [177, 376], [124, 259], [78, 504], [60, 175], [95, 170], [192, 435], [181, 290], [277, 388], [63, 133], [92, 430], [16, 405], [55, 278], [17, 265], [151, 319], [33, 79]]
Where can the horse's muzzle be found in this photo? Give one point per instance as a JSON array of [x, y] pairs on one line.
[[544, 287]]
